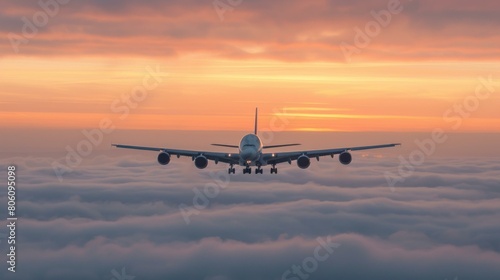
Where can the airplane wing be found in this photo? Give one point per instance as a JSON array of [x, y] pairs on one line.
[[217, 157], [275, 158]]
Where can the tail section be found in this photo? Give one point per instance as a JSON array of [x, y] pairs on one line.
[[256, 115]]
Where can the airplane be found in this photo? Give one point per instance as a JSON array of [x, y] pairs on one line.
[[250, 153]]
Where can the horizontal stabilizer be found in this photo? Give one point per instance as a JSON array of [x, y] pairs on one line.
[[224, 145], [279, 146]]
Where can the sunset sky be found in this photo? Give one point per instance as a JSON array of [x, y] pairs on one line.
[[286, 57]]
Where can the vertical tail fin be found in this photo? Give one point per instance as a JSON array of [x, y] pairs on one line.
[[256, 115]]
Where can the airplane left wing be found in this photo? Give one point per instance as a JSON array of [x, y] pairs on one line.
[[217, 157]]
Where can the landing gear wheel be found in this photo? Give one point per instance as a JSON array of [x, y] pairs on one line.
[[247, 170], [259, 171], [231, 170], [274, 170]]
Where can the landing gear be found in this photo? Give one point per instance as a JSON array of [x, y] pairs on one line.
[[274, 170], [259, 170], [231, 170], [247, 170]]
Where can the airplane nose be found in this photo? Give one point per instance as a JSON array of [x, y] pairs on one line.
[[245, 154], [248, 154]]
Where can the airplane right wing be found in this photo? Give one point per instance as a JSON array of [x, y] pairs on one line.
[[275, 158]]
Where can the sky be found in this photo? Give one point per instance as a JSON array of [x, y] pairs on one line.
[[335, 65], [185, 74]]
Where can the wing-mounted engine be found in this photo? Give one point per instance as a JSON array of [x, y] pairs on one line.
[[201, 162], [303, 162], [345, 158], [163, 158]]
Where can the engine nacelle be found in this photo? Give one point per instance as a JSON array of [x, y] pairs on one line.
[[163, 158], [201, 162], [303, 161], [345, 158]]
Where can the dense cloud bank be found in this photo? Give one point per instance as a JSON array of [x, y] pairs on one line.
[[123, 212]]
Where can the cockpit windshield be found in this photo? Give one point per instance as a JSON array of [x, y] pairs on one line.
[[251, 140]]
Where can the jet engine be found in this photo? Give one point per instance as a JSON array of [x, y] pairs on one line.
[[345, 158], [163, 158], [303, 162], [201, 162]]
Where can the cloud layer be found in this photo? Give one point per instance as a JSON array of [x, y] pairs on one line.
[[123, 212]]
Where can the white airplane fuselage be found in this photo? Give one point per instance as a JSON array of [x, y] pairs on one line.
[[250, 150]]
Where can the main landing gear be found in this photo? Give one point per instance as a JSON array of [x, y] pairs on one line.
[[259, 170], [247, 170], [274, 170]]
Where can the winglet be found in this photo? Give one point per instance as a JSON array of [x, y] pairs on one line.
[[256, 115]]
